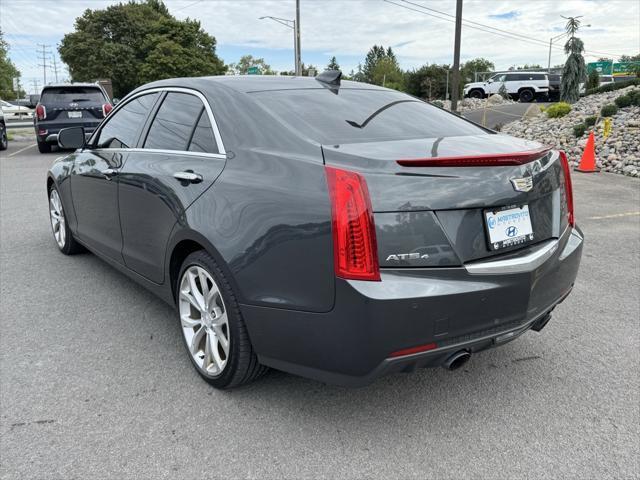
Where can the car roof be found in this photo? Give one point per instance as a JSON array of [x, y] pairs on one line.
[[61, 85], [253, 83]]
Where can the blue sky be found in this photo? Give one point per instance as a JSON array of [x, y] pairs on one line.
[[348, 28]]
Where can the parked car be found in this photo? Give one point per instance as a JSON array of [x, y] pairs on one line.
[[15, 111], [604, 79], [555, 80], [68, 105], [290, 220], [4, 139], [525, 86]]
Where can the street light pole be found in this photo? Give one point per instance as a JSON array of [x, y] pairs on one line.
[[292, 24], [456, 58], [296, 29]]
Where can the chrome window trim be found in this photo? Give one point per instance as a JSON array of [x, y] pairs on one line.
[[170, 152], [214, 125]]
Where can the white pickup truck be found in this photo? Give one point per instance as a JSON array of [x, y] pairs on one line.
[[525, 86]]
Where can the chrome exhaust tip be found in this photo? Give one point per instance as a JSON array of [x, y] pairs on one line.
[[457, 360]]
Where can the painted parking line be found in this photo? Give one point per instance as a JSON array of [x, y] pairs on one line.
[[615, 215], [21, 150]]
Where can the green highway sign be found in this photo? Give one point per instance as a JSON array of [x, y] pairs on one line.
[[618, 69], [253, 71]]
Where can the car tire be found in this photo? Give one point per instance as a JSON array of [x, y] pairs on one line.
[[4, 141], [526, 95], [210, 318], [59, 225], [44, 147], [476, 94]]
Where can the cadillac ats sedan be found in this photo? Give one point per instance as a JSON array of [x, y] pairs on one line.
[[331, 229]]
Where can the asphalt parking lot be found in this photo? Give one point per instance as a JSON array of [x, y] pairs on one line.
[[94, 381]]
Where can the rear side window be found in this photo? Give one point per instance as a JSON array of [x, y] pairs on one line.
[[174, 123], [70, 94], [539, 76], [360, 115], [121, 129], [203, 139]]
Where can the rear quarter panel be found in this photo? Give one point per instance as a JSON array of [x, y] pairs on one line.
[[268, 214]]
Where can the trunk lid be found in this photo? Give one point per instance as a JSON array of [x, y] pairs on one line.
[[430, 216]]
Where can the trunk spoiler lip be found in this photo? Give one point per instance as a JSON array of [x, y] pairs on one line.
[[482, 160]]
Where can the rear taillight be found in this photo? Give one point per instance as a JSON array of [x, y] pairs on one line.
[[41, 112], [354, 236], [568, 188], [106, 108]]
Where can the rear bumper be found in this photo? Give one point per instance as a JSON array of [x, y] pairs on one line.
[[455, 308], [48, 131]]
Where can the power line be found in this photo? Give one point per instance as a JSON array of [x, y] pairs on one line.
[[55, 67], [499, 29], [483, 28], [43, 56]]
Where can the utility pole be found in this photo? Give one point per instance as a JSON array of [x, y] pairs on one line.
[[455, 82], [55, 67], [297, 34], [36, 86], [43, 56]]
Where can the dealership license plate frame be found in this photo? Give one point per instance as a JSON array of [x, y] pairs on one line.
[[74, 114], [524, 227]]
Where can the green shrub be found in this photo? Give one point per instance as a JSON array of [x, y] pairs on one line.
[[610, 87], [623, 101], [608, 110], [635, 97], [438, 103], [559, 109], [578, 130], [590, 121]]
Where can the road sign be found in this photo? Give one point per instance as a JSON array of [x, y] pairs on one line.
[[16, 84], [253, 71], [618, 69]]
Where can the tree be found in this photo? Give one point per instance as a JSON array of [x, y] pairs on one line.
[[630, 58], [8, 72], [574, 71], [248, 61], [376, 54], [333, 64], [429, 81], [470, 67], [305, 71], [593, 80], [134, 43], [387, 73]]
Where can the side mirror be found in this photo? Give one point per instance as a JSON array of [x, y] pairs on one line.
[[115, 101], [490, 80], [72, 138]]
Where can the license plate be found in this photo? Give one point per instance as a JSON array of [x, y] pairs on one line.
[[508, 227], [74, 114]]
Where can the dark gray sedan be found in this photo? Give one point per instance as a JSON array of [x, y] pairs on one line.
[[327, 228]]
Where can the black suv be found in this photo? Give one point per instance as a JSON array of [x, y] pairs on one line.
[[68, 105], [554, 87]]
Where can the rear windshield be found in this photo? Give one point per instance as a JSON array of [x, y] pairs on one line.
[[72, 94], [359, 115]]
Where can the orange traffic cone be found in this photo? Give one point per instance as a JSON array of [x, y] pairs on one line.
[[588, 162]]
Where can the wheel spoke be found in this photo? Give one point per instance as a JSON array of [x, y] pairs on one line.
[[216, 353], [222, 339], [188, 322], [194, 290], [204, 287], [195, 341], [187, 296], [208, 352]]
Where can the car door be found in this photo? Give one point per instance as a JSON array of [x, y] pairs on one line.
[[494, 86], [181, 155], [94, 179]]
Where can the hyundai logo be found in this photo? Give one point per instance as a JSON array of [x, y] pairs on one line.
[[491, 222], [511, 231]]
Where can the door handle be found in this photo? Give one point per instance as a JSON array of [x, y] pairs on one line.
[[109, 172], [190, 177]]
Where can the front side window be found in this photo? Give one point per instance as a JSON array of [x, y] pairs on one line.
[[121, 129], [174, 123]]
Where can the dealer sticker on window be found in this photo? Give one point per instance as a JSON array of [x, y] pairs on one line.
[[508, 227]]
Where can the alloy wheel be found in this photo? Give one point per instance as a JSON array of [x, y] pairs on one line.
[[58, 223], [204, 321]]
